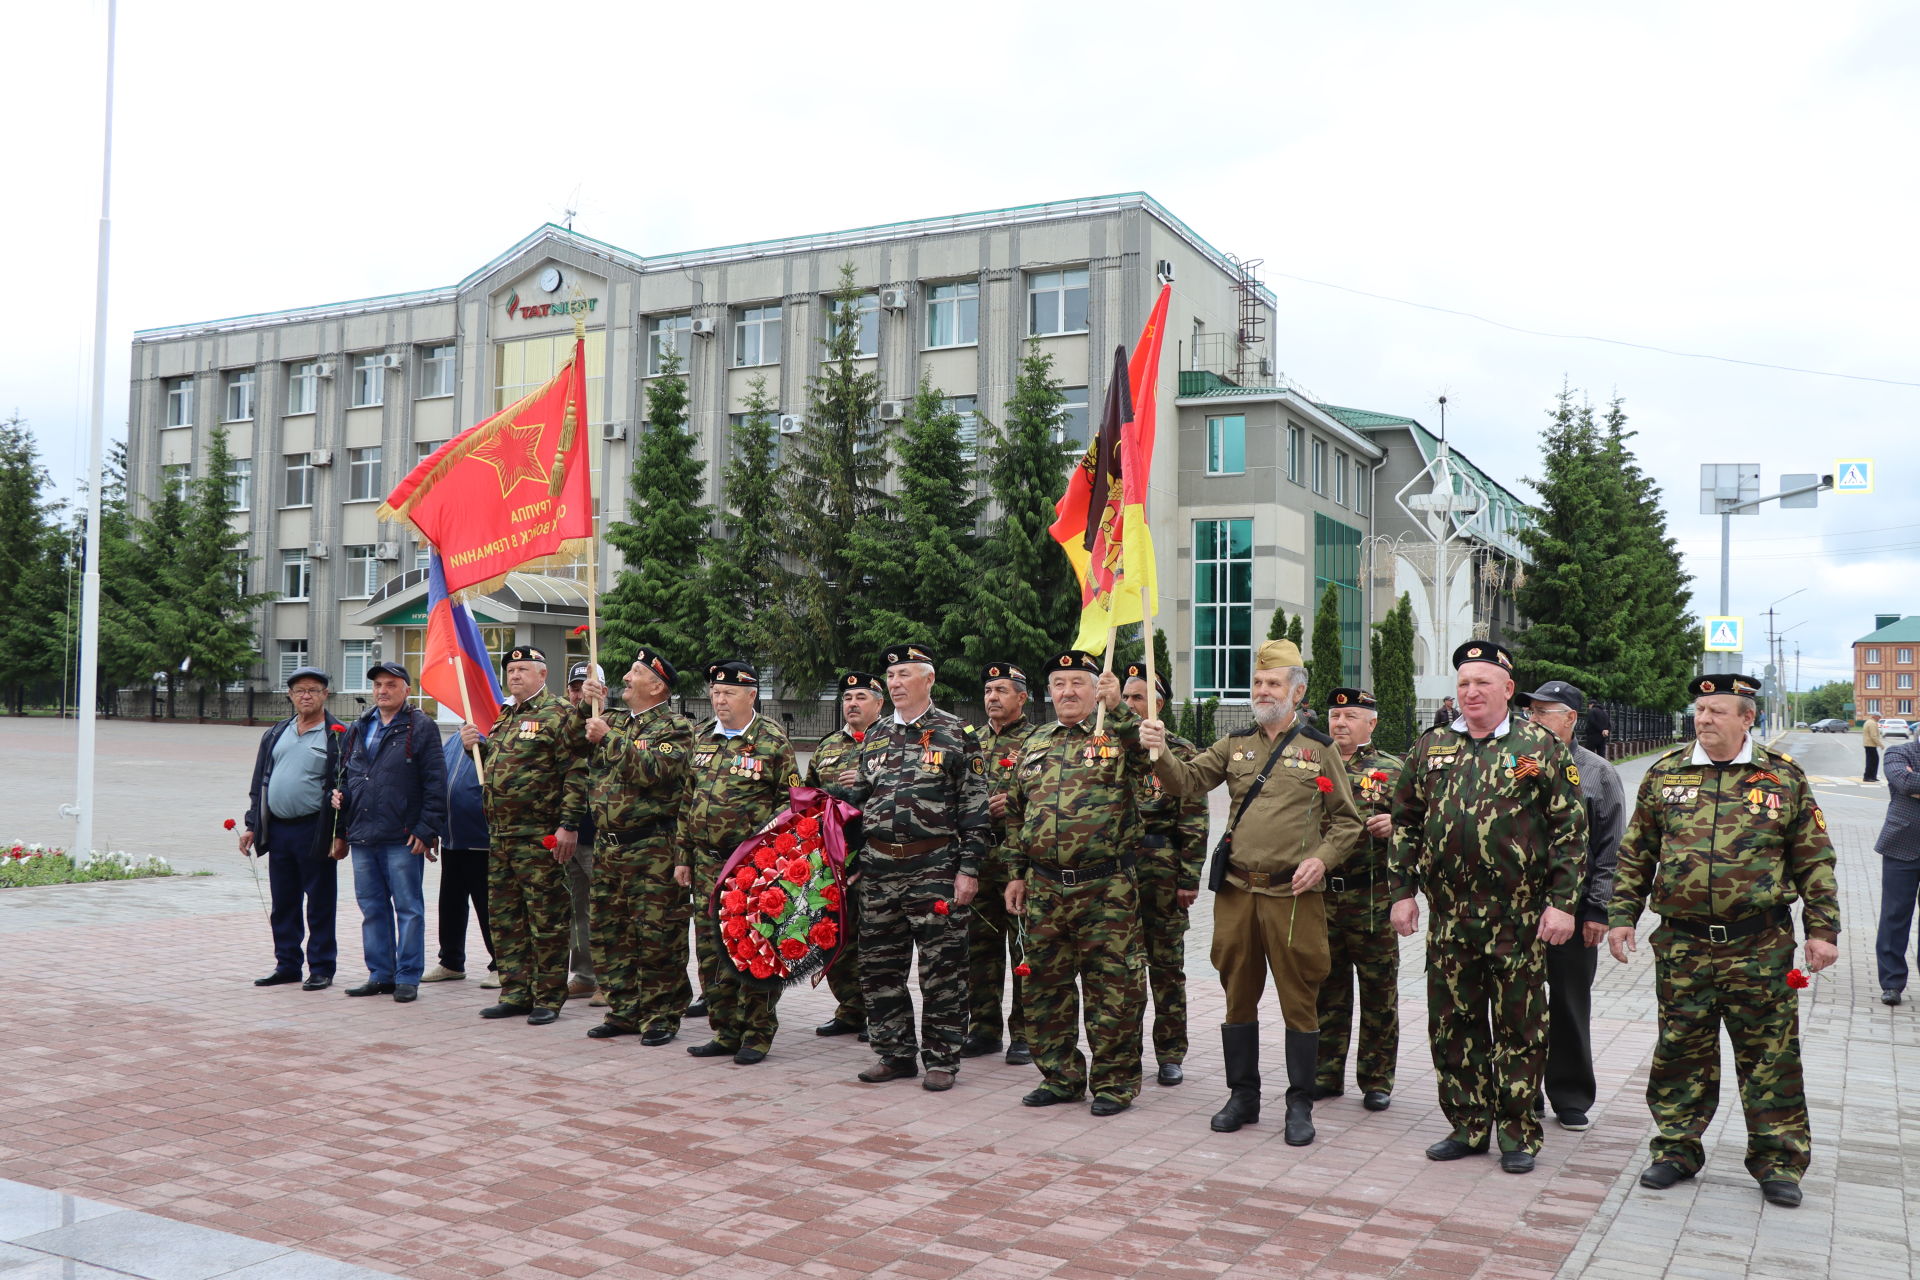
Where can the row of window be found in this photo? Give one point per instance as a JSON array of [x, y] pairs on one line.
[[364, 477], [1901, 680], [368, 390], [1345, 481], [1873, 707], [1223, 643], [364, 574], [1901, 658]]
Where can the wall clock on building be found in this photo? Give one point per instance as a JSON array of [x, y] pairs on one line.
[[550, 279]]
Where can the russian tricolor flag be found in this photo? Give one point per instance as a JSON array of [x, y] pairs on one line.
[[453, 634]]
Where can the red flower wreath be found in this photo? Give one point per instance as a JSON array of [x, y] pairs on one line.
[[780, 900]]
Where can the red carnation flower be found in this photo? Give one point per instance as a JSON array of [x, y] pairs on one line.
[[339, 728], [807, 827], [1379, 775], [832, 894], [1797, 979], [1021, 970], [549, 841], [792, 948], [786, 842], [1325, 784], [798, 871], [579, 630], [763, 857], [744, 877], [1006, 762], [228, 824], [771, 901], [733, 928], [760, 968], [823, 934], [858, 735], [733, 902], [940, 907]]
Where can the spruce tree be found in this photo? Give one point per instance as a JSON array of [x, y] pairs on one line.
[[918, 548], [657, 600], [1326, 670], [1295, 632], [1659, 641], [1392, 650], [1026, 603], [743, 565], [32, 563], [835, 468], [128, 594], [1277, 629]]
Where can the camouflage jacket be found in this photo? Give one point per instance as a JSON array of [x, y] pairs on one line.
[[536, 773], [1714, 843], [1292, 819], [832, 755], [1072, 798], [735, 786], [1001, 748], [637, 774], [1488, 829], [1176, 825], [923, 781], [1372, 794]]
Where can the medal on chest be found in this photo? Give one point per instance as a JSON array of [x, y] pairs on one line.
[[529, 730], [746, 764], [1520, 768], [932, 758], [701, 759], [1099, 748]]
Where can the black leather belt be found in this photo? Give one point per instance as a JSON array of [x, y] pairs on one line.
[[1744, 927], [1340, 884], [1155, 842], [1071, 876], [645, 831]]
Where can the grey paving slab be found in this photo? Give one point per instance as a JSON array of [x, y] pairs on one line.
[[41, 1266], [304, 1266], [27, 1210], [152, 1247]]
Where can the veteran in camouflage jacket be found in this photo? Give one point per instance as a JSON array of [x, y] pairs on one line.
[[1725, 837], [863, 700], [993, 936]]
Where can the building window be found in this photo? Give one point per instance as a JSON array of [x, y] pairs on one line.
[[436, 371], [240, 485], [665, 334], [1222, 608], [1362, 488], [179, 402], [953, 314], [355, 657], [1071, 429], [296, 575], [302, 387], [1873, 657], [293, 656], [1340, 477], [1903, 657], [1057, 302], [1295, 443], [363, 474], [1906, 706], [1903, 680], [240, 396], [174, 479], [1336, 563], [756, 336], [297, 489], [422, 557], [1227, 445], [866, 313], [369, 381], [413, 644], [242, 573], [363, 573], [1873, 679], [1873, 706], [528, 364], [965, 407], [1319, 466]]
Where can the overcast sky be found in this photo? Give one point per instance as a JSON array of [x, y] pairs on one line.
[[1734, 180]]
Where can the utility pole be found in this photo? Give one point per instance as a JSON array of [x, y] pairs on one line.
[[1731, 488]]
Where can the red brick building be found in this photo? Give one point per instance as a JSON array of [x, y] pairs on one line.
[[1886, 679]]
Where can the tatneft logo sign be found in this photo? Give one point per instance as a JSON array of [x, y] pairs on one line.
[[536, 310]]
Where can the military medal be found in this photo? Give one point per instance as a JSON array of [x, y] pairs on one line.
[[1755, 799], [1773, 805], [529, 729]]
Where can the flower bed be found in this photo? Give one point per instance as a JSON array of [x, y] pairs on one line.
[[24, 864]]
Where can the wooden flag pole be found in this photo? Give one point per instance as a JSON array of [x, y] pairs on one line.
[[466, 707], [1099, 704], [1153, 684]]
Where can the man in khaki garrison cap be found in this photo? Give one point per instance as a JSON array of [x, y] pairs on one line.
[[1291, 817]]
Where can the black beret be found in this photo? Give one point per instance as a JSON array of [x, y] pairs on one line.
[[1138, 671], [1737, 685], [862, 680], [1483, 651], [1002, 671], [656, 663], [733, 672], [900, 653], [1074, 660], [1352, 698], [523, 653]]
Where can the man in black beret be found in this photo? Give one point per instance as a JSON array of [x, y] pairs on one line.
[[993, 937], [863, 697]]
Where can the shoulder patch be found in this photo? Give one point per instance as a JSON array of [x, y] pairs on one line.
[[665, 748], [1573, 775], [976, 764]]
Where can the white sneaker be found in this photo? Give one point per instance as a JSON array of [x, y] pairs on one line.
[[599, 1000], [440, 973], [491, 982]]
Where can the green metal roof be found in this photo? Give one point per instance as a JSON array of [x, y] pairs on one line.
[[1360, 419], [1905, 630]]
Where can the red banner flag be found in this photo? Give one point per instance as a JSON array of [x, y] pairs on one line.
[[511, 490]]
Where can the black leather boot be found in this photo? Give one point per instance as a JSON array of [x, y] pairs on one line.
[[1303, 1059], [1240, 1042]]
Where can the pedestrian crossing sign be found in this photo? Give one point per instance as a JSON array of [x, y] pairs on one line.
[[1723, 635], [1853, 475]]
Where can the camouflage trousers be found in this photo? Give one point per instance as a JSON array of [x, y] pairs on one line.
[[1163, 928], [843, 975], [1487, 1018], [991, 938], [1084, 941], [1742, 984], [1364, 948], [531, 914], [640, 934], [896, 919], [741, 1018]]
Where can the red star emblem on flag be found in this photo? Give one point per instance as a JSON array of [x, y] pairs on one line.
[[513, 453]]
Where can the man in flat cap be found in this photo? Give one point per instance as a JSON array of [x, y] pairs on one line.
[[1072, 841], [1493, 832], [738, 780], [1292, 821], [922, 792], [536, 800], [1360, 937], [638, 758], [863, 697], [1569, 1087], [1725, 836], [993, 936], [1173, 849], [582, 979]]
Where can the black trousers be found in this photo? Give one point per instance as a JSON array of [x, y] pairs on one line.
[[1569, 1077], [463, 879], [302, 880], [1873, 765]]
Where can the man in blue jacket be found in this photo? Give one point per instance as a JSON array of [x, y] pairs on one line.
[[1899, 850], [463, 867], [394, 808], [289, 820]]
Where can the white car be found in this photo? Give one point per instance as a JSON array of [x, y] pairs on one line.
[[1895, 729]]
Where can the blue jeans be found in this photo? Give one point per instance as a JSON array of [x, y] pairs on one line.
[[1899, 888], [386, 881]]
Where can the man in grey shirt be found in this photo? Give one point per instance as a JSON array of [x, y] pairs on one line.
[[1556, 707]]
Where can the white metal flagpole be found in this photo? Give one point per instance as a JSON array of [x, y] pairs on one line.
[[89, 692]]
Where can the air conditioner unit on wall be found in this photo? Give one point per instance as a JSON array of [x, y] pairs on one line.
[[323, 370], [792, 424], [613, 431], [893, 299], [320, 458], [392, 360], [702, 327], [892, 410], [386, 551], [1163, 271], [316, 551]]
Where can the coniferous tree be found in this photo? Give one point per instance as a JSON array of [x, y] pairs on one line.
[[1026, 606], [32, 565], [1392, 651], [743, 566], [1295, 632], [656, 601], [1277, 629], [1659, 641], [1326, 670], [1162, 658], [835, 468], [918, 548], [127, 587]]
